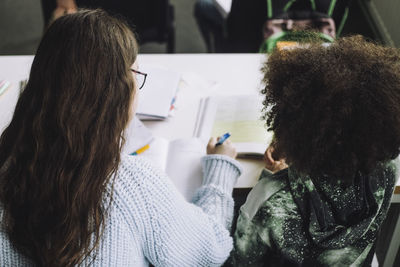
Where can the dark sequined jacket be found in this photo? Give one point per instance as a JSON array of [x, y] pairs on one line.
[[289, 220]]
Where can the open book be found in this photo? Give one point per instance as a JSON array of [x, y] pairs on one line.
[[240, 115]]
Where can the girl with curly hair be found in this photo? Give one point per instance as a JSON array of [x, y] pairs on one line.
[[331, 169], [68, 196]]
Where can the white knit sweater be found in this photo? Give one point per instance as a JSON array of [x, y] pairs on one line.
[[149, 220]]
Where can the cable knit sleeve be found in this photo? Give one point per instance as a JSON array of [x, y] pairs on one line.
[[220, 174], [173, 231]]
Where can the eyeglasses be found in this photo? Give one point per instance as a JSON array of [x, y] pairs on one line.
[[140, 78]]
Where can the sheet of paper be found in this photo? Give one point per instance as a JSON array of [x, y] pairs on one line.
[[157, 153], [156, 96], [184, 165], [181, 160], [137, 135]]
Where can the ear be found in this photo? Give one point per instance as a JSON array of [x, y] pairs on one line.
[[269, 160]]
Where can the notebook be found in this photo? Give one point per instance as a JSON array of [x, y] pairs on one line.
[[158, 94]]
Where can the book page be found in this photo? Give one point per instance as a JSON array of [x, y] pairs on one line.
[[184, 165], [157, 153], [240, 115], [205, 118]]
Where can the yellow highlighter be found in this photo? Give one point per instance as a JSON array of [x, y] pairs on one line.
[[140, 150]]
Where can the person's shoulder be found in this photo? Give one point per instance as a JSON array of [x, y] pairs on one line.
[[385, 175], [280, 204], [281, 201], [136, 172], [393, 168], [137, 167], [136, 182], [270, 195], [134, 162]]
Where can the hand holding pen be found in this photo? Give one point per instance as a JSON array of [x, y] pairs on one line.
[[222, 139], [221, 145]]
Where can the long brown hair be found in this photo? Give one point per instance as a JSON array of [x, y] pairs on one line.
[[63, 144]]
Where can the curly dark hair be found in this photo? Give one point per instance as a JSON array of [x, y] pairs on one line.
[[334, 110]]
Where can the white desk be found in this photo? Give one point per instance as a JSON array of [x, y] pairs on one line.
[[226, 73], [235, 74], [204, 74]]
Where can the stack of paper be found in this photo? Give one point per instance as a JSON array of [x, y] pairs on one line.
[[157, 96]]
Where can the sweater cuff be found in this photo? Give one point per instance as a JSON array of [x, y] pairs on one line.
[[221, 170]]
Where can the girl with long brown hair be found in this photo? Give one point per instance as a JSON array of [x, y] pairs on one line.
[[67, 194]]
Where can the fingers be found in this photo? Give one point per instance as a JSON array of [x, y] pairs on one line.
[[211, 145], [212, 142], [226, 148]]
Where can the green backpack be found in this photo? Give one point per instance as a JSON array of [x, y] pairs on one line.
[[286, 12]]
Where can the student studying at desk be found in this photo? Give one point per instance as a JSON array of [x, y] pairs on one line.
[[331, 168], [68, 196]]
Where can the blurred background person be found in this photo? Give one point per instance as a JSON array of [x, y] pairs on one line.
[[257, 25], [21, 24], [211, 24], [151, 20]]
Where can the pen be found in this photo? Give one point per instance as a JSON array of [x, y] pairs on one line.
[[140, 150], [222, 139]]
